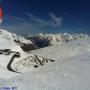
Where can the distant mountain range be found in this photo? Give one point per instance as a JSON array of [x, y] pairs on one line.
[[33, 42], [42, 40]]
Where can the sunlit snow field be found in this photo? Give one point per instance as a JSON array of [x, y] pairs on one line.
[[70, 71]]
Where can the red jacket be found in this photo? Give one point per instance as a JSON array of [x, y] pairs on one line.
[[1, 13]]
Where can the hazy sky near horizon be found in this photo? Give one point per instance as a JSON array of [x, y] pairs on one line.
[[46, 16]]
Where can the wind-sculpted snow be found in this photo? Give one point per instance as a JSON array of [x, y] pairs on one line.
[[18, 62], [70, 74], [28, 63]]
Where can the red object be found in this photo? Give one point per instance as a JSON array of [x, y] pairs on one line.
[[1, 13]]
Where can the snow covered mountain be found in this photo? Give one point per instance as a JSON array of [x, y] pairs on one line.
[[42, 40], [70, 71], [7, 41], [25, 44], [13, 58], [7, 35]]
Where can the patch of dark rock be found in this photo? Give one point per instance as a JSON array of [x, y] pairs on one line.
[[28, 47], [40, 42]]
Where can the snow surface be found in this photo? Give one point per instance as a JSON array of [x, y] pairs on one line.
[[4, 34], [69, 74], [7, 41], [70, 71], [22, 63]]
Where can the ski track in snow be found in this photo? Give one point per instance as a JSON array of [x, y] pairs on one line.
[[70, 74]]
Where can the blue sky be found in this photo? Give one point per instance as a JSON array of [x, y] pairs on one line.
[[46, 16]]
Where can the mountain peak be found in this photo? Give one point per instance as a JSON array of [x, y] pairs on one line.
[[9, 40]]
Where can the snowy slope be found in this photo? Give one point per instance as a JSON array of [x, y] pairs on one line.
[[70, 71], [13, 59], [70, 74], [12, 36], [8, 37], [7, 42]]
